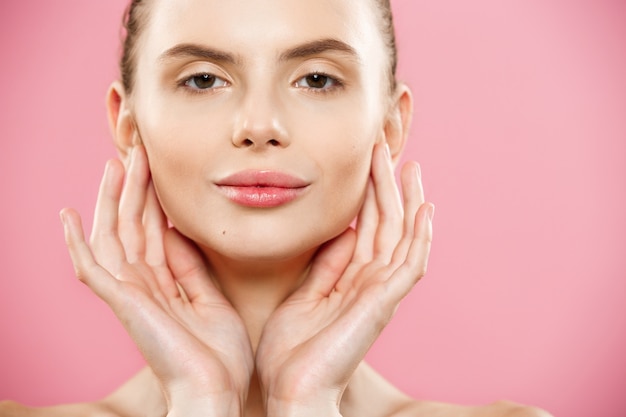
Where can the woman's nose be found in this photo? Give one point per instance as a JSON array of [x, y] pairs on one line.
[[259, 123]]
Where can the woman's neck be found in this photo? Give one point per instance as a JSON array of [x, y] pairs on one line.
[[256, 288]]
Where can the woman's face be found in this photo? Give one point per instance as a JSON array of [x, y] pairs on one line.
[[259, 118]]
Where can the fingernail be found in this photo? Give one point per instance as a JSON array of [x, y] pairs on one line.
[[387, 151], [64, 222], [107, 173], [418, 169], [431, 212]]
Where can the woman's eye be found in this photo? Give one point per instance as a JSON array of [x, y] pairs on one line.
[[317, 82], [204, 81]]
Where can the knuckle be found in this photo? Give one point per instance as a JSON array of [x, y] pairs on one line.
[[81, 273], [418, 265], [82, 277], [426, 239], [421, 271]]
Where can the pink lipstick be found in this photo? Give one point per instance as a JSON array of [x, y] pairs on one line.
[[262, 189]]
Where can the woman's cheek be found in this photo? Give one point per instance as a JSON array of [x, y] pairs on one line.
[[351, 176], [172, 165]]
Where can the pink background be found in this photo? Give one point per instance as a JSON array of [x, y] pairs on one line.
[[520, 127]]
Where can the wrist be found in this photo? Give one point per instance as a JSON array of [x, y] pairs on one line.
[[288, 408], [217, 405]]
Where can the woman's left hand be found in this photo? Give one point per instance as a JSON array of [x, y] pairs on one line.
[[314, 341]]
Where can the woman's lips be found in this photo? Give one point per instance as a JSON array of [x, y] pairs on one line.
[[262, 189]]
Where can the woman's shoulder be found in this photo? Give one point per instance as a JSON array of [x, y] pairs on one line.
[[370, 395], [140, 395], [497, 409]]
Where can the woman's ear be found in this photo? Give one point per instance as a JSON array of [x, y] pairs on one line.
[[398, 121], [121, 120]]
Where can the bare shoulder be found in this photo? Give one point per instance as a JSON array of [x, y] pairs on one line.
[[370, 395], [140, 395], [497, 409]]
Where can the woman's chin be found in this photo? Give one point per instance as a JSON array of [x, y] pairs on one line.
[[266, 251]]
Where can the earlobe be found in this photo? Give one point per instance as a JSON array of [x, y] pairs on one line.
[[398, 121], [121, 120]]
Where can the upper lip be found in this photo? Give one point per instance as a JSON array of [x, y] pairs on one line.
[[262, 178]]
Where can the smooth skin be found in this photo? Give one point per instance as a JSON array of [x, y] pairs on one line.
[[162, 305], [353, 287], [257, 312]]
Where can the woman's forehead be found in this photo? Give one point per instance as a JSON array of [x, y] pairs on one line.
[[252, 27]]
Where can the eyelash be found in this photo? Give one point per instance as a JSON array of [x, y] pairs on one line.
[[185, 83], [335, 83]]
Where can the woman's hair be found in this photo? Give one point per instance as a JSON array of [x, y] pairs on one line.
[[137, 14]]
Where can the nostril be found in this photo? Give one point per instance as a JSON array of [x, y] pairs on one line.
[[273, 142], [248, 142]]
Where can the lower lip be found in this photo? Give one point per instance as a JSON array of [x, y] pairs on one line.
[[261, 197]]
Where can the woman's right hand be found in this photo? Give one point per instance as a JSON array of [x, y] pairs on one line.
[[156, 282]]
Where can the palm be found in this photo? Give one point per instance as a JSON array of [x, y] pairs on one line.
[[314, 338], [313, 342], [167, 322]]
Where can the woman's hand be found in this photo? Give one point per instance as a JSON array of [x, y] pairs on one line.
[[156, 282], [314, 341]]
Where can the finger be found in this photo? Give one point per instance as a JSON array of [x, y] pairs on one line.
[[155, 225], [366, 225], [188, 267], [157, 336], [414, 266], [389, 204], [413, 196], [329, 264], [132, 205], [412, 193], [107, 248], [87, 270]]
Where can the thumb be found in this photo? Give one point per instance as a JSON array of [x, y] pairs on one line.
[[329, 264]]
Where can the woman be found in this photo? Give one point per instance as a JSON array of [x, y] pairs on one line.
[[259, 131]]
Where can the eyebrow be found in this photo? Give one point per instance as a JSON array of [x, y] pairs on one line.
[[191, 50], [317, 47]]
